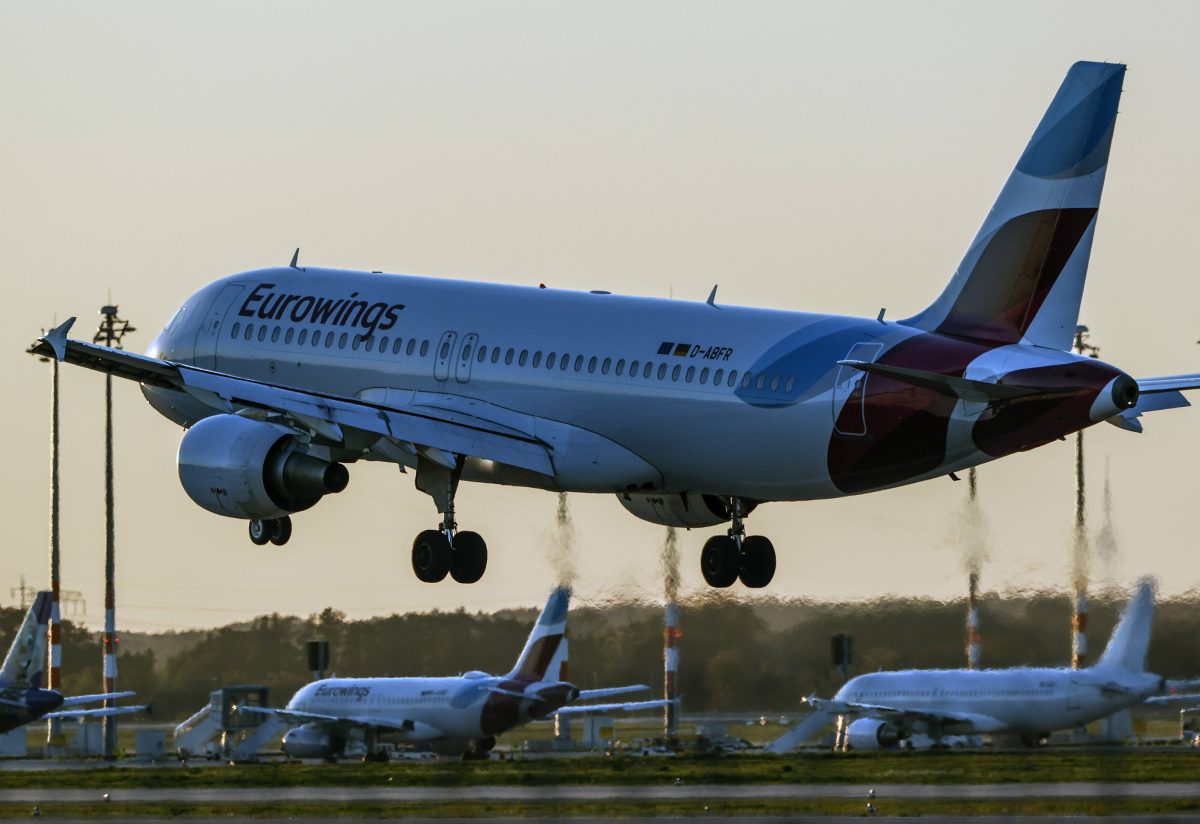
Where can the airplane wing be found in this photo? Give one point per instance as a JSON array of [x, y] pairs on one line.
[[587, 695], [416, 730], [98, 712], [629, 706], [436, 433], [973, 722], [801, 732], [76, 700]]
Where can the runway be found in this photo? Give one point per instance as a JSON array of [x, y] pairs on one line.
[[839, 819], [670, 792]]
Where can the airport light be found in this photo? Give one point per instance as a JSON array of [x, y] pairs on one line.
[[111, 333], [1079, 550]]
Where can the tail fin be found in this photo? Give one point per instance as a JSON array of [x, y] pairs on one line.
[[26, 660], [544, 657], [1130, 641], [1023, 275]]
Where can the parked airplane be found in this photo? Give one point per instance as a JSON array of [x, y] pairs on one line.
[[691, 413], [885, 709], [22, 698], [458, 714]]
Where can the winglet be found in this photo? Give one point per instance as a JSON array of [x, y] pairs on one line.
[[56, 338]]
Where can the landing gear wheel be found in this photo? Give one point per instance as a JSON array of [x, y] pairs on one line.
[[468, 558], [720, 561], [261, 531], [431, 556], [283, 531], [758, 562]]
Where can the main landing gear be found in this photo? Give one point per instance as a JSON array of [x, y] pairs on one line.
[[436, 552], [726, 558], [271, 531]]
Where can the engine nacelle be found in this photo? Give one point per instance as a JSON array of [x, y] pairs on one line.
[[245, 468], [310, 742], [687, 510], [872, 734]]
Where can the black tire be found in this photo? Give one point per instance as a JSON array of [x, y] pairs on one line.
[[283, 531], [758, 562], [468, 558], [261, 531], [431, 556], [719, 561]]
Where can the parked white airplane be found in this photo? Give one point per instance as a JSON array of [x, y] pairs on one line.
[[458, 714], [691, 413], [22, 698], [886, 708]]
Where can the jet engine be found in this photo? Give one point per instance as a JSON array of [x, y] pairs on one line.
[[310, 742], [872, 734], [686, 510], [245, 468]]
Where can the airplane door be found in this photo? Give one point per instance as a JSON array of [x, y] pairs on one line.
[[443, 356], [462, 372], [210, 330], [847, 388]]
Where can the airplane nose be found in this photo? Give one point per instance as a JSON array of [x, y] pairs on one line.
[[1120, 394]]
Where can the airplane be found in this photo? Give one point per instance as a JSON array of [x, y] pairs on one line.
[[889, 709], [22, 698], [460, 714], [692, 413]]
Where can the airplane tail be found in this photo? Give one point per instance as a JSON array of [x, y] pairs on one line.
[[25, 662], [1130, 641], [1022, 277], [544, 657]]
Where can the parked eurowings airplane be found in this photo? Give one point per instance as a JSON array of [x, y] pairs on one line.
[[458, 714], [22, 698], [884, 709], [691, 413]]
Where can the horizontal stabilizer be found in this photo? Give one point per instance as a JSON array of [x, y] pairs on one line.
[[76, 700], [962, 388], [629, 706], [587, 695], [99, 712], [1168, 383]]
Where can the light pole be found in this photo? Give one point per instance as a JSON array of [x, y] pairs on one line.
[[1079, 560]]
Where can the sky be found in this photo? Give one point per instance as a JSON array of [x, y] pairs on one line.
[[809, 156]]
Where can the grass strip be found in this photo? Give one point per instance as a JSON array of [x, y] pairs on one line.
[[608, 809], [820, 768]]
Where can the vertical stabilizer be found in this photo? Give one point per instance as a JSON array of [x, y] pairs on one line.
[[544, 657], [1022, 277], [26, 660], [1130, 641]]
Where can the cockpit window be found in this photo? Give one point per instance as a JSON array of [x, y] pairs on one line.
[[175, 318]]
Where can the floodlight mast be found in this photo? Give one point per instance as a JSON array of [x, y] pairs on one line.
[[111, 333]]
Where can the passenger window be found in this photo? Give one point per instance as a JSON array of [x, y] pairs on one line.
[[262, 334], [329, 340], [369, 343], [550, 361], [720, 373], [466, 352], [732, 377], [288, 335], [237, 327], [564, 362], [675, 372], [508, 357], [578, 363], [383, 342], [621, 366], [746, 380], [524, 357], [691, 373], [424, 348], [303, 339], [790, 385], [396, 346], [647, 369], [604, 367], [275, 335], [774, 382], [592, 365], [249, 331], [633, 369], [496, 355], [482, 354], [758, 384], [662, 371], [537, 359], [355, 342], [445, 351], [342, 341], [704, 375]]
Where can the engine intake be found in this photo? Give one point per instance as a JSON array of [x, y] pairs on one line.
[[243, 468], [311, 742], [872, 734]]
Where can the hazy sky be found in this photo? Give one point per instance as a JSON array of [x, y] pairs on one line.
[[831, 157]]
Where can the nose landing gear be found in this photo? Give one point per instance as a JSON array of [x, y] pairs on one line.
[[726, 558]]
